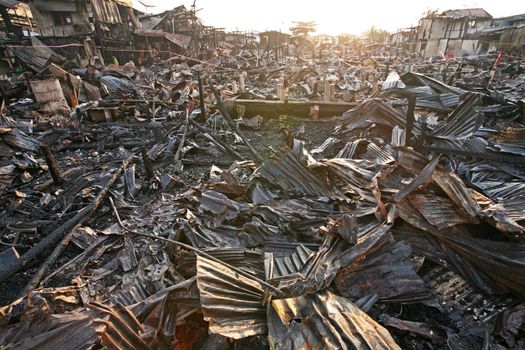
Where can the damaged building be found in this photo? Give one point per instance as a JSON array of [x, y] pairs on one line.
[[448, 33], [109, 22], [506, 34]]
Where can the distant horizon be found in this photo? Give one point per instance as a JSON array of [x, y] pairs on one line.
[[333, 18]]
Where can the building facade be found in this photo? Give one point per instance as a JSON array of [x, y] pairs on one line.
[[449, 34]]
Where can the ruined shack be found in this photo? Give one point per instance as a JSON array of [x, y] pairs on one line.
[[447, 33], [67, 22]]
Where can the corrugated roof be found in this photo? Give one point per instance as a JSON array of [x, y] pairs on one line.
[[471, 13], [106, 11], [324, 321], [463, 122], [177, 39], [233, 304]]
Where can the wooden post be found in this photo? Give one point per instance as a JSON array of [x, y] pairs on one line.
[[231, 123], [242, 87], [52, 165], [410, 119], [148, 164], [72, 95], [280, 88], [201, 96]]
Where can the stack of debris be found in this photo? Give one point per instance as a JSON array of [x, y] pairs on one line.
[[144, 216]]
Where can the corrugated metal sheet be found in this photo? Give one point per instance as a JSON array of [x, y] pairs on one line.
[[359, 174], [415, 79], [456, 190], [398, 137], [463, 122], [324, 321], [303, 271], [251, 261], [471, 13], [106, 11], [288, 264], [231, 303], [37, 57], [431, 102], [387, 271], [476, 144], [509, 148], [288, 173], [375, 111], [498, 190], [515, 208], [349, 149], [439, 211], [375, 154], [218, 204], [102, 326], [449, 100], [393, 81], [327, 143], [424, 173], [493, 266]]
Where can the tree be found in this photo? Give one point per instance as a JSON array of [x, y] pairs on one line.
[[302, 29], [376, 35]]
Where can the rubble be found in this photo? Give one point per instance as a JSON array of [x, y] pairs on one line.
[[304, 203]]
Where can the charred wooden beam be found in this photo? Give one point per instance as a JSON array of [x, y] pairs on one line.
[[301, 109], [64, 233], [231, 123], [52, 165]]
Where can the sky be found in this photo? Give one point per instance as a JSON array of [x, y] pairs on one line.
[[333, 17]]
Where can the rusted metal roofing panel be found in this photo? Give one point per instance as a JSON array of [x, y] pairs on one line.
[[299, 272], [324, 321], [386, 271], [439, 211], [98, 326], [231, 303], [106, 11]]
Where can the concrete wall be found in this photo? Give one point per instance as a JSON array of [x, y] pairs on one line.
[[446, 36], [438, 29], [450, 47], [424, 29]]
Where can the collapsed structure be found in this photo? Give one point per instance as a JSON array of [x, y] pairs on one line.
[[259, 200]]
